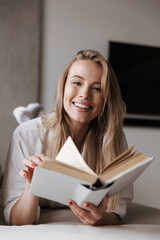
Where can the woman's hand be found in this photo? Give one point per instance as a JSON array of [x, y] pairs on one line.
[[94, 215], [30, 163]]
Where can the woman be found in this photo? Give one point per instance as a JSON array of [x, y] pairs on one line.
[[89, 108]]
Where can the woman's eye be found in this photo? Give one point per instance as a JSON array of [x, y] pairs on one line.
[[97, 89], [77, 83]]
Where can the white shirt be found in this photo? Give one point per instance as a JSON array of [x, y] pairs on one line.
[[26, 142]]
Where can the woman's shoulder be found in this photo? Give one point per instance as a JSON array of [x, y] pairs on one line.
[[35, 127], [29, 126]]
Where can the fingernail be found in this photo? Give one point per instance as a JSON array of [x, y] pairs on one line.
[[86, 204], [33, 164], [70, 203], [24, 174]]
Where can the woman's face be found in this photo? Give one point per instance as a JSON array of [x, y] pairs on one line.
[[83, 98]]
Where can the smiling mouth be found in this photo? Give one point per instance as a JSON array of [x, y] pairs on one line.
[[81, 106]]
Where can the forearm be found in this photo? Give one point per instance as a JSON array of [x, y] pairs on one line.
[[25, 209]]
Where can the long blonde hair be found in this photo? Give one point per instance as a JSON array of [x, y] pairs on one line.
[[105, 130]]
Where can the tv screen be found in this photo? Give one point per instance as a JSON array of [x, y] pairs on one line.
[[137, 68]]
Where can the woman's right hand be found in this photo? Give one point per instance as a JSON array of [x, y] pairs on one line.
[[30, 163]]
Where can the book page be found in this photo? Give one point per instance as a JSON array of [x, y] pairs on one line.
[[70, 155], [120, 158], [133, 162], [67, 170]]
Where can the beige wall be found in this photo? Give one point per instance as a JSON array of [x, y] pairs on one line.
[[71, 25], [19, 62]]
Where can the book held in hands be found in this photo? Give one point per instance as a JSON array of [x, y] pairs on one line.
[[69, 177]]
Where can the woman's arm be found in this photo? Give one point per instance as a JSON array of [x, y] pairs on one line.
[[25, 209]]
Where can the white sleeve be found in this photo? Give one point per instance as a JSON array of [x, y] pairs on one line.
[[13, 184], [125, 196]]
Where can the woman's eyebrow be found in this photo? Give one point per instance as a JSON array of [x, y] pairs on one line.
[[97, 83], [77, 76]]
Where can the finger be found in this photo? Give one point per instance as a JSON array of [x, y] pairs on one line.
[[32, 161], [23, 173], [75, 208], [82, 214], [27, 174], [41, 156], [104, 204], [95, 212], [35, 159], [28, 163]]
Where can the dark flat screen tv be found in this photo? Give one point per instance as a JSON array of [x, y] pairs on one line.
[[137, 68]]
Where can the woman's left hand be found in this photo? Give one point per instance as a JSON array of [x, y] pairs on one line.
[[92, 215]]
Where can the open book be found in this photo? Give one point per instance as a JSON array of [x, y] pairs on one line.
[[69, 177]]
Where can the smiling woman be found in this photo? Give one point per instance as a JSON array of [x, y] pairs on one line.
[[89, 108]]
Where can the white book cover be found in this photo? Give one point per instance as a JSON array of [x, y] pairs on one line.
[[62, 188]]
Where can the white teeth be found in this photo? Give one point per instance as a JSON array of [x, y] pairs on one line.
[[81, 106]]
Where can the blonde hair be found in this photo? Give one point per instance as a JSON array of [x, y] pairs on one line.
[[105, 130]]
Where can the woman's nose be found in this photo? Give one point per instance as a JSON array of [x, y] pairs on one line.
[[84, 93]]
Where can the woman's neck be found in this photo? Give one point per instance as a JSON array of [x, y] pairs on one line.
[[79, 133]]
